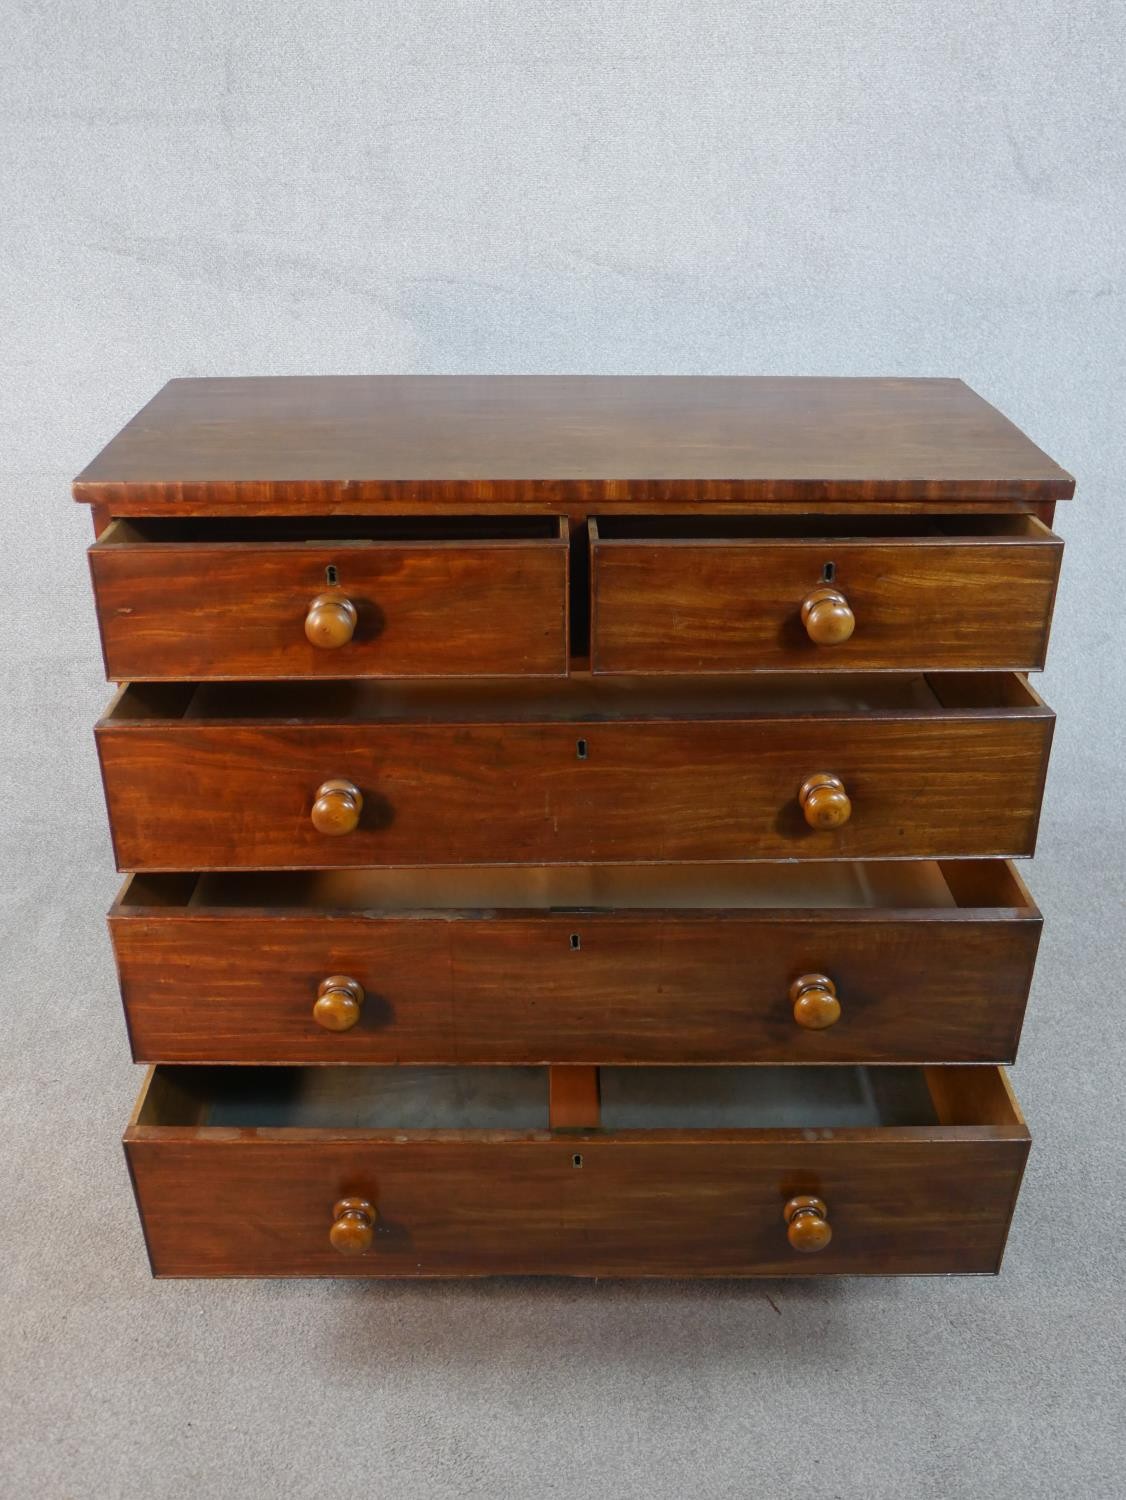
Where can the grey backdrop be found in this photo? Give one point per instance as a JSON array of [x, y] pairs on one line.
[[876, 187]]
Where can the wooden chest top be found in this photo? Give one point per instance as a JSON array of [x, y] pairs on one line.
[[320, 444]]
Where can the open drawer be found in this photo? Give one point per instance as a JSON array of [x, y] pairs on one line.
[[681, 1172], [272, 597], [899, 962], [821, 593], [589, 770]]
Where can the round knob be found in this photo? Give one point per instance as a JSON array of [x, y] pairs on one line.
[[815, 1002], [353, 1225], [337, 1007], [337, 806], [331, 621], [824, 800], [827, 617], [807, 1223]]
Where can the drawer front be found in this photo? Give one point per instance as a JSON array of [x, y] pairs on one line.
[[636, 1206], [419, 609], [199, 796], [659, 987], [665, 605]]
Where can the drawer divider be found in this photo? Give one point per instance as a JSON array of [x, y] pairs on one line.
[[573, 1098]]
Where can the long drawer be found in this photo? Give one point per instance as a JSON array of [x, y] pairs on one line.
[[334, 775], [345, 597], [689, 1172], [815, 963], [827, 594]]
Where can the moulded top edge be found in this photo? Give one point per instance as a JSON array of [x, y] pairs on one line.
[[570, 439]]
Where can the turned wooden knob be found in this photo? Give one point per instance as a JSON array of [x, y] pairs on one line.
[[337, 806], [815, 1002], [824, 800], [807, 1223], [337, 1006], [827, 617], [331, 621], [353, 1225]]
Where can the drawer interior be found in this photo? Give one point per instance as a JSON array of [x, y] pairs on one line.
[[580, 698], [856, 885], [763, 1098], [387, 1098], [516, 1098], [702, 528], [201, 530]]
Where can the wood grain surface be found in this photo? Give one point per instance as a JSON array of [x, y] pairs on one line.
[[733, 604], [206, 610], [909, 1201], [421, 443], [189, 793], [572, 528], [705, 984]]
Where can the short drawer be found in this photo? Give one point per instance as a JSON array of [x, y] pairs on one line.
[[820, 963], [351, 597], [824, 594], [321, 775], [689, 1172]]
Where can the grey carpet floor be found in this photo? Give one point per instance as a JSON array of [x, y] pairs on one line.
[[114, 1385]]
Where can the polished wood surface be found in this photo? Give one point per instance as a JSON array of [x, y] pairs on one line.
[[689, 1207], [331, 620], [573, 1101], [827, 617], [338, 1003], [675, 981], [426, 442], [743, 602], [337, 807], [353, 1226], [824, 801], [933, 781], [259, 609], [577, 743], [816, 1003], [807, 1223], [908, 1199]]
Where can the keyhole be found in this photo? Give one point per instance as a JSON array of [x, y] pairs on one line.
[[580, 749], [330, 574], [828, 572], [576, 1160], [576, 942]]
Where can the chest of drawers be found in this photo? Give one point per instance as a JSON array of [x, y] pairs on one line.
[[569, 821]]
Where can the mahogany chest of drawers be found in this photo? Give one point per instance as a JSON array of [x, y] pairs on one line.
[[569, 820]]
